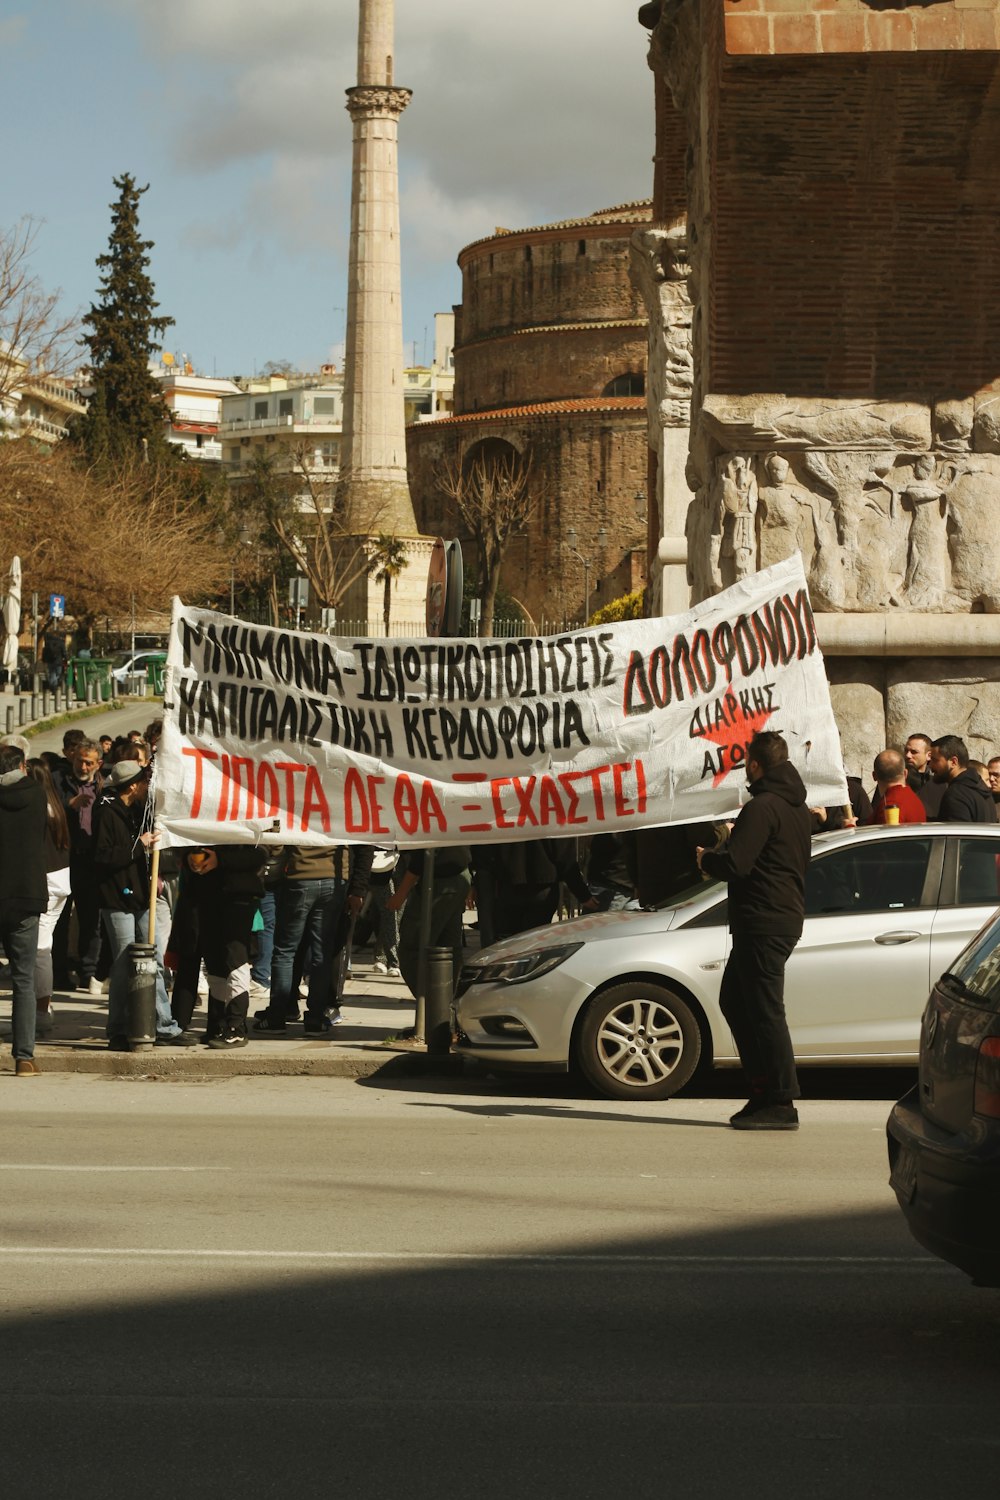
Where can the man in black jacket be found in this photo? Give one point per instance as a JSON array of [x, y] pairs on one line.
[[967, 798], [765, 862], [24, 894], [919, 775]]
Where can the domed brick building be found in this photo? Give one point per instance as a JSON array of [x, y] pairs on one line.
[[550, 361]]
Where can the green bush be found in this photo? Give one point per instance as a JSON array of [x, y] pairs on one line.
[[628, 607]]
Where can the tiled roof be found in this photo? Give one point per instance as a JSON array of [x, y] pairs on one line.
[[595, 404], [623, 213], [517, 333]]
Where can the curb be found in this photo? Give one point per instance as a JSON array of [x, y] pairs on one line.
[[164, 1063]]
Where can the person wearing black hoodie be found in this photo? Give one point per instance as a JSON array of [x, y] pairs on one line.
[[23, 893], [765, 862], [967, 798]]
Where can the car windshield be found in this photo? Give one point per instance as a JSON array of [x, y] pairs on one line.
[[690, 893], [977, 967]]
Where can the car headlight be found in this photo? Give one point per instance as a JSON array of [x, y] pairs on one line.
[[526, 966]]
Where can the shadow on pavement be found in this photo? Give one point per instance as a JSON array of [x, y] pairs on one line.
[[667, 1365]]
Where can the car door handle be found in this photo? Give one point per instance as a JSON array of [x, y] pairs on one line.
[[893, 939]]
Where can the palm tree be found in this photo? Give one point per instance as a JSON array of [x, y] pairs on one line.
[[386, 562]]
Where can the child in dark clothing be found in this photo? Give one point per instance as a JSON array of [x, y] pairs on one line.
[[220, 888]]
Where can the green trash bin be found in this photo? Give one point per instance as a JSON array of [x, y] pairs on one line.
[[83, 670], [100, 672], [76, 676], [156, 670]]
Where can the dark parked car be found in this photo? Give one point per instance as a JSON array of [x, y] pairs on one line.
[[944, 1136]]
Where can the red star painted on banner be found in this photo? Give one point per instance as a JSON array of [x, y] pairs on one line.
[[737, 733]]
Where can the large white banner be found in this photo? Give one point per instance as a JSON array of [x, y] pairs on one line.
[[287, 737]]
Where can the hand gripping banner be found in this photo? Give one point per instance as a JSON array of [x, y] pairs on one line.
[[286, 737]]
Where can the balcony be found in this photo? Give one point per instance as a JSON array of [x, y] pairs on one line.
[[294, 423], [54, 392]]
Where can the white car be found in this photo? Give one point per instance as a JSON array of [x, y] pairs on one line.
[[631, 998], [137, 667]]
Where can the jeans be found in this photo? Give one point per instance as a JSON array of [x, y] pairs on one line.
[[310, 910], [123, 928], [20, 943], [261, 971], [752, 999]]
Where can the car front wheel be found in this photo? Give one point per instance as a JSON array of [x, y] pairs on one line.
[[637, 1041]]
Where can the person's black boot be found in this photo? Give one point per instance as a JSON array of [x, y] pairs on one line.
[[767, 1117]]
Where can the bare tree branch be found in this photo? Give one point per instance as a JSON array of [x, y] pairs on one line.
[[102, 538], [304, 510], [35, 338], [490, 490]]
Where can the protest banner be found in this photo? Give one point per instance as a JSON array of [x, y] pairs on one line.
[[297, 738]]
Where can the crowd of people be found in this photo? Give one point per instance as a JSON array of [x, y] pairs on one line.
[[242, 926]]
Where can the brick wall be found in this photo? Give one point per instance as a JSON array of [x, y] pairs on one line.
[[535, 278], [554, 365], [856, 225], [586, 471], [775, 27]]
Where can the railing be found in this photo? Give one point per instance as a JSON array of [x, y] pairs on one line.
[[260, 424], [46, 386], [30, 424]]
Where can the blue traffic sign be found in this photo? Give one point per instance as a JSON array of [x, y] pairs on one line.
[[57, 606]]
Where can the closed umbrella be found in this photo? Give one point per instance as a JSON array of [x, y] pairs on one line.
[[12, 619]]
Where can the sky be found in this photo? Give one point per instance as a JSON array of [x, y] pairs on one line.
[[523, 111]]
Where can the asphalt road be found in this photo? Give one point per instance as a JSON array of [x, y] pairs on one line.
[[270, 1287]]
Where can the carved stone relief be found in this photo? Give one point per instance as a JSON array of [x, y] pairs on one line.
[[659, 269], [876, 530]]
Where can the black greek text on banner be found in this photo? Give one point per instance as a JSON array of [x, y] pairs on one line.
[[287, 737]]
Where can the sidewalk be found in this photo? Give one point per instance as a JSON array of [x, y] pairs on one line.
[[375, 1007]]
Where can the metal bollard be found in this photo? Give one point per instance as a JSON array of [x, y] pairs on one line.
[[10, 718], [22, 710], [141, 998], [55, 701], [437, 1002], [34, 707]]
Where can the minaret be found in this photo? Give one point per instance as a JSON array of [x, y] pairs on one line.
[[374, 489]]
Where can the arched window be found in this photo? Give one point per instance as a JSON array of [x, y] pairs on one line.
[[626, 385]]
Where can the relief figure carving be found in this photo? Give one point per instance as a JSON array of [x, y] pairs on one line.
[[925, 498], [737, 491]]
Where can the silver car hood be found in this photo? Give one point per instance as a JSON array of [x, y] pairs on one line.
[[593, 928]]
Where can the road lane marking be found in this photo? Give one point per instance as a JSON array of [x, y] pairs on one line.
[[37, 1166], [447, 1257]]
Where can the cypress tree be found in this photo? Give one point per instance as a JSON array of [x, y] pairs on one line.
[[126, 416]]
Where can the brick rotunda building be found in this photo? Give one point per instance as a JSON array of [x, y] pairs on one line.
[[550, 359], [828, 215]]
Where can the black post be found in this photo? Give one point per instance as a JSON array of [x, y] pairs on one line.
[[10, 718], [440, 992], [141, 999], [426, 908], [22, 710]]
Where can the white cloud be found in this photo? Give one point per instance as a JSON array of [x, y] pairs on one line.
[[12, 29], [523, 111], [542, 109]]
